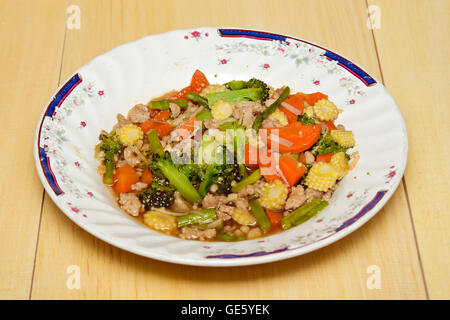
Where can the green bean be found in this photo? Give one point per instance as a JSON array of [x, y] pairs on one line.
[[207, 180], [261, 218], [288, 221], [198, 99], [183, 103], [303, 213], [230, 125], [229, 238], [243, 171], [218, 225], [204, 115], [109, 164], [165, 104], [155, 143], [261, 117], [195, 217], [159, 105], [255, 176], [311, 213]]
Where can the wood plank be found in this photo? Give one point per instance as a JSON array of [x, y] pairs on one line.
[[338, 271], [31, 34], [418, 37]]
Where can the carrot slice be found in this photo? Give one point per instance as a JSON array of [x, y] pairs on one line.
[[147, 176], [275, 218], [251, 156], [302, 158], [286, 170], [124, 182], [181, 94], [147, 125], [153, 112], [293, 106], [269, 174], [125, 169], [163, 129], [324, 157], [187, 128], [265, 165], [292, 170], [198, 82], [312, 98], [294, 137], [307, 137], [162, 115], [124, 178]]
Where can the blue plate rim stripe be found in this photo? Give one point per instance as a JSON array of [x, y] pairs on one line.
[[251, 34], [379, 195], [261, 35], [57, 100], [253, 254], [352, 68]]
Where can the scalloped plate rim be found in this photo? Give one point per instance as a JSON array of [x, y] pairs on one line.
[[244, 261]]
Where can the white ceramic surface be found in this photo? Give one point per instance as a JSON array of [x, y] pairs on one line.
[[135, 72]]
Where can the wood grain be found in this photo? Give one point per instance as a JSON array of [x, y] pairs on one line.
[[414, 53], [32, 36], [338, 271]]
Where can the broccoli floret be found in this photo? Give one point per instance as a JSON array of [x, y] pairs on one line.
[[255, 83], [170, 177], [306, 120], [156, 172], [326, 145], [111, 142], [193, 172], [110, 145], [222, 174], [253, 94], [225, 176], [165, 168], [252, 83], [159, 195], [161, 192]]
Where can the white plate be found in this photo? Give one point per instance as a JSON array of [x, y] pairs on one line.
[[133, 73]]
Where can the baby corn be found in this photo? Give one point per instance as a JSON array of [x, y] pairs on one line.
[[325, 110], [344, 138], [273, 195], [322, 176]]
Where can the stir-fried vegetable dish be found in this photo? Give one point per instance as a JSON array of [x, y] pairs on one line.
[[226, 162]]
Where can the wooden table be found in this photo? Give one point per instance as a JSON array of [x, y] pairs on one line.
[[407, 240]]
